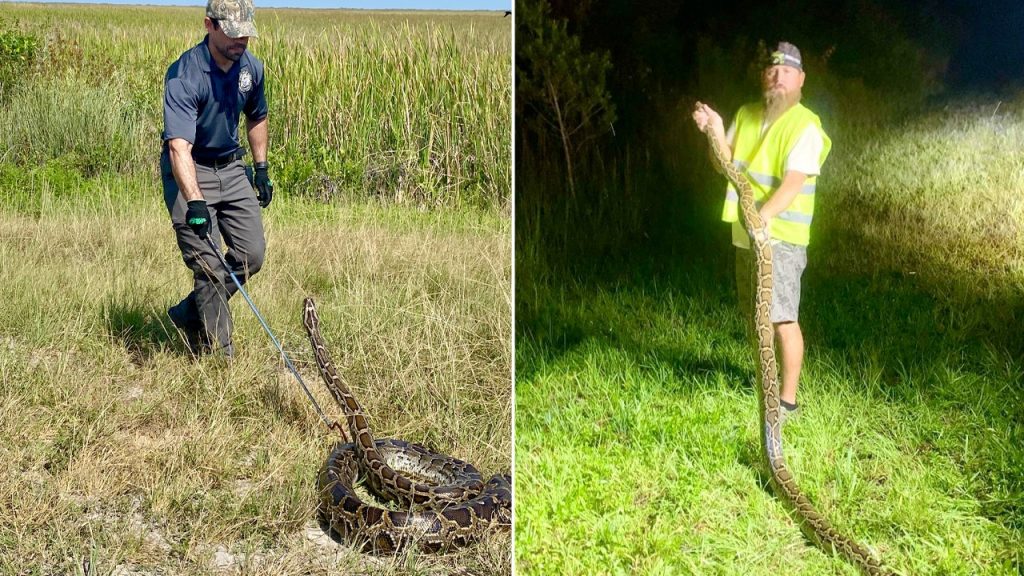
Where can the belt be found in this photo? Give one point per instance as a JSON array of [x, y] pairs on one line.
[[222, 162]]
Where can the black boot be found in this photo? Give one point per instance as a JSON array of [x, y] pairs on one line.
[[185, 317]]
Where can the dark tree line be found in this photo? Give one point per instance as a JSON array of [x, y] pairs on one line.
[[603, 91]]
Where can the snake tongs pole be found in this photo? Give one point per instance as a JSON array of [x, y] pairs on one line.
[[266, 328]]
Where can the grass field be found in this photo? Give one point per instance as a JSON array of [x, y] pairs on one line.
[[636, 417], [118, 450], [117, 445], [412, 107]]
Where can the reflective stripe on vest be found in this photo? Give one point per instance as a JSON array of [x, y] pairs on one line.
[[762, 158]]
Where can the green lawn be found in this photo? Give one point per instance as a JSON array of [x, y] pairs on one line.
[[636, 416]]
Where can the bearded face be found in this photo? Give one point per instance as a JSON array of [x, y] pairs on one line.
[[782, 89]]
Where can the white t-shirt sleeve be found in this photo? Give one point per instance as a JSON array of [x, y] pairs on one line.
[[805, 154]]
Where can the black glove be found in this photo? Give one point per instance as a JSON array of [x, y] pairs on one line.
[[198, 217], [264, 187]]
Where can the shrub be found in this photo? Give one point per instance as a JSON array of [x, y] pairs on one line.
[[18, 50]]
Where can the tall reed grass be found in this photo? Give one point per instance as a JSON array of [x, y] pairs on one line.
[[402, 106]]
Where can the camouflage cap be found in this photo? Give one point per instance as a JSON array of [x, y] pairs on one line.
[[785, 54], [236, 17]]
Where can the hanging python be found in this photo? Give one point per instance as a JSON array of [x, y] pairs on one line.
[[817, 527]]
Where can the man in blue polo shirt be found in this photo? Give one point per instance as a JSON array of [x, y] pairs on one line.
[[208, 190]]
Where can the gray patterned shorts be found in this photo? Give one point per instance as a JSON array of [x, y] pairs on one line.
[[788, 263]]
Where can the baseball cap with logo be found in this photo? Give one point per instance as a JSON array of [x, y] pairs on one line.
[[236, 17], [785, 54]]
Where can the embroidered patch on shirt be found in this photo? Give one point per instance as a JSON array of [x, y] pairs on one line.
[[244, 81]]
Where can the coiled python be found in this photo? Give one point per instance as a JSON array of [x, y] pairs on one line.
[[454, 509], [771, 426]]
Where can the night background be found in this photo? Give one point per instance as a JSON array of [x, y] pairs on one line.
[[867, 63], [630, 354]]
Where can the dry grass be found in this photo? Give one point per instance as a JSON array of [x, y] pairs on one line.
[[118, 450]]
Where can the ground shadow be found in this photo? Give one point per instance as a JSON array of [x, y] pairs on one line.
[[913, 337], [143, 330], [554, 323], [562, 333]]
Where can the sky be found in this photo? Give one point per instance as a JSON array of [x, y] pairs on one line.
[[378, 4]]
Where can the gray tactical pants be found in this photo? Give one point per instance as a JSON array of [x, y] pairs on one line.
[[235, 217]]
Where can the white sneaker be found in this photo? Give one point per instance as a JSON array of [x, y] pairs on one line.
[[786, 413]]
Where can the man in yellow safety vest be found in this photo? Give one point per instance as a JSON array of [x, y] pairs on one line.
[[780, 146]]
